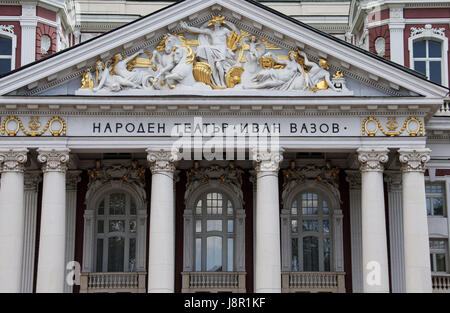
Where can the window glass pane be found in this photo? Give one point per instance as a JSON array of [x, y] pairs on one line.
[[116, 226], [214, 254], [5, 65], [198, 226], [440, 262], [101, 208], [198, 254], [437, 244], [100, 227], [310, 225], [132, 255], [198, 209], [5, 46], [229, 208], [294, 226], [132, 207], [294, 209], [214, 225], [434, 49], [115, 254], [325, 209], [133, 226], [419, 49], [295, 266], [230, 256], [326, 226], [326, 254], [428, 206], [214, 203], [433, 268], [310, 254], [427, 188], [309, 204], [420, 66], [438, 206], [435, 71], [117, 204], [230, 226], [99, 255]]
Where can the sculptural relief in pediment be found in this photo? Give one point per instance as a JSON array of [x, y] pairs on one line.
[[215, 56]]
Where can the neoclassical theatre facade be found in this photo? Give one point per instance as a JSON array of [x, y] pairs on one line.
[[217, 146]]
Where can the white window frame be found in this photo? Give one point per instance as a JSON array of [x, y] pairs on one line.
[[429, 33], [433, 253], [7, 31], [437, 195], [93, 199], [106, 234], [225, 189], [335, 224]]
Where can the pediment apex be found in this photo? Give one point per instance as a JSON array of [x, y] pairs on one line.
[[282, 32]]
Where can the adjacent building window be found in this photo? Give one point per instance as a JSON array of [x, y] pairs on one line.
[[427, 57], [310, 233], [438, 255], [214, 237], [6, 53], [116, 233], [435, 199]]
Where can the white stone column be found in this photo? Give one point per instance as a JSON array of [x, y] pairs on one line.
[[394, 187], [73, 178], [28, 23], [52, 241], [415, 226], [11, 218], [32, 180], [161, 262], [354, 180], [373, 220], [396, 30], [268, 260]]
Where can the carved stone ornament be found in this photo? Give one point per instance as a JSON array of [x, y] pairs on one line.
[[372, 159], [428, 30], [267, 161], [354, 179], [214, 56], [326, 175], [117, 175], [13, 160], [7, 28], [32, 180], [161, 160], [54, 160], [230, 175], [414, 160]]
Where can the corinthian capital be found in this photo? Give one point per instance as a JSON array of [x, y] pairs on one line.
[[54, 160], [267, 161], [372, 159], [13, 160], [161, 160], [414, 160]]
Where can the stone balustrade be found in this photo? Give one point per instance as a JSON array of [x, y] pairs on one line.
[[213, 282], [113, 282], [313, 282], [441, 283]]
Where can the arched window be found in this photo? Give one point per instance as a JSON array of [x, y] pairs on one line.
[[116, 228], [310, 233], [311, 227], [7, 48], [214, 237], [427, 56], [428, 49]]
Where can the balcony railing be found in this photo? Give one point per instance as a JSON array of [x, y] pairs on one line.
[[444, 110], [213, 282], [441, 283], [113, 282], [313, 282]]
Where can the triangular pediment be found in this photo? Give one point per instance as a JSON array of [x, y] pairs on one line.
[[217, 48]]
